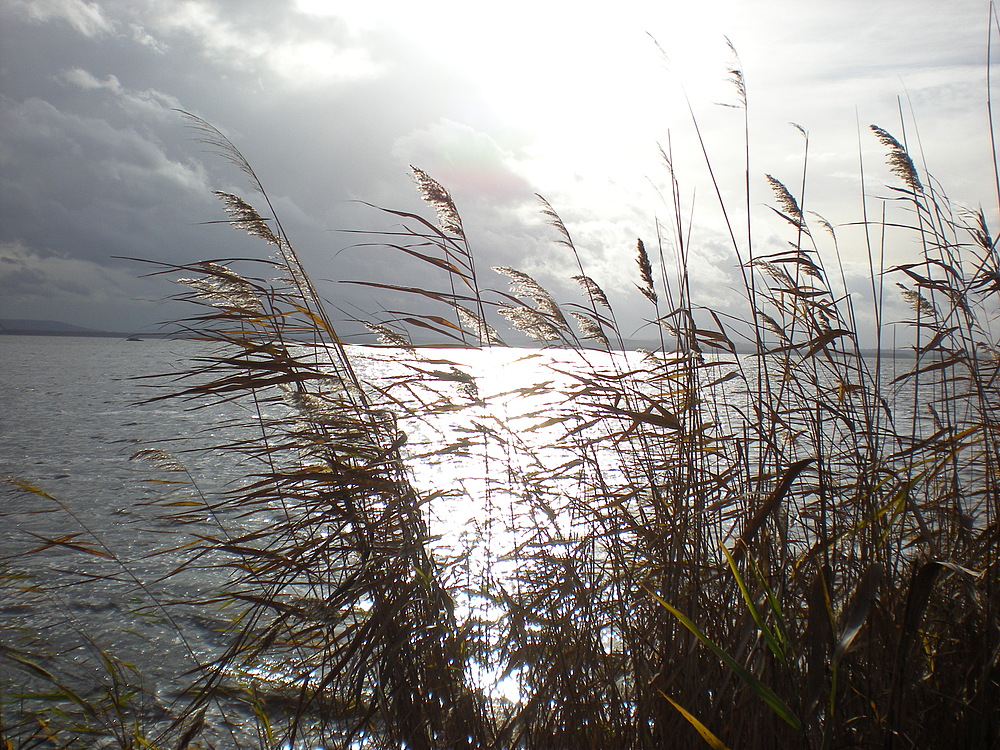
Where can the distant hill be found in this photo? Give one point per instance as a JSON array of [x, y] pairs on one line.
[[31, 327], [25, 325]]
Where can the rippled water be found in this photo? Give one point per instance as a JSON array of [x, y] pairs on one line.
[[70, 418]]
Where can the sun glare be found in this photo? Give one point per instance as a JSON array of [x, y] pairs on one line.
[[592, 83]]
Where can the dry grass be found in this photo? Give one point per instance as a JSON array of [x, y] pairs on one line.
[[760, 551]]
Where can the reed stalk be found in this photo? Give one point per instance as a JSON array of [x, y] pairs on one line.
[[695, 544]]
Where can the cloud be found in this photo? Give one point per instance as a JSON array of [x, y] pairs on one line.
[[86, 18], [84, 80], [46, 285], [143, 37], [56, 157], [465, 161], [331, 101], [139, 103], [265, 39], [32, 276], [77, 191]]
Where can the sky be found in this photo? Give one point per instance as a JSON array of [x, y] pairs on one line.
[[331, 101]]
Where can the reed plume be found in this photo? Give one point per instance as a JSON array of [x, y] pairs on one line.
[[791, 547]]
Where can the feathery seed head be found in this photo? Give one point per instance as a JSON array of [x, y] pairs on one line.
[[771, 324], [899, 160], [787, 202], [245, 217], [921, 306], [486, 333], [736, 75], [590, 328], [778, 274], [388, 336], [522, 285], [530, 322], [556, 222], [593, 291], [826, 225], [546, 321], [440, 200], [645, 272], [224, 288]]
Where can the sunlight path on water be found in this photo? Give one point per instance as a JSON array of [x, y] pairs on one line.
[[500, 443], [483, 428]]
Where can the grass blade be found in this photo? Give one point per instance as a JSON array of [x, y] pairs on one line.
[[763, 692]]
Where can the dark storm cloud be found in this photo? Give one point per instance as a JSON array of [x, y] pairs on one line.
[[97, 163]]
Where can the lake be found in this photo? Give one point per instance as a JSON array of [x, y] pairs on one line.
[[71, 416]]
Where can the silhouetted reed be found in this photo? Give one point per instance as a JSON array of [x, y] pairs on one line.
[[761, 550]]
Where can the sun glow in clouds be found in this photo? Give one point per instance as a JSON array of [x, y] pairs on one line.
[[497, 103], [587, 88], [574, 106]]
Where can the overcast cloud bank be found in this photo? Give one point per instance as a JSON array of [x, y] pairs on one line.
[[331, 103]]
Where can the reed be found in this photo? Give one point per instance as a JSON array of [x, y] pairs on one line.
[[791, 547]]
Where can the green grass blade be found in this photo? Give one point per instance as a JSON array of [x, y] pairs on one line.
[[772, 640], [779, 629], [763, 691]]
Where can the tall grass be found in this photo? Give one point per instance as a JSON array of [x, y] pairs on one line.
[[787, 548]]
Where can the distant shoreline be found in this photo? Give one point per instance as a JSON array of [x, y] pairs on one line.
[[88, 334], [37, 327], [25, 327], [161, 336]]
